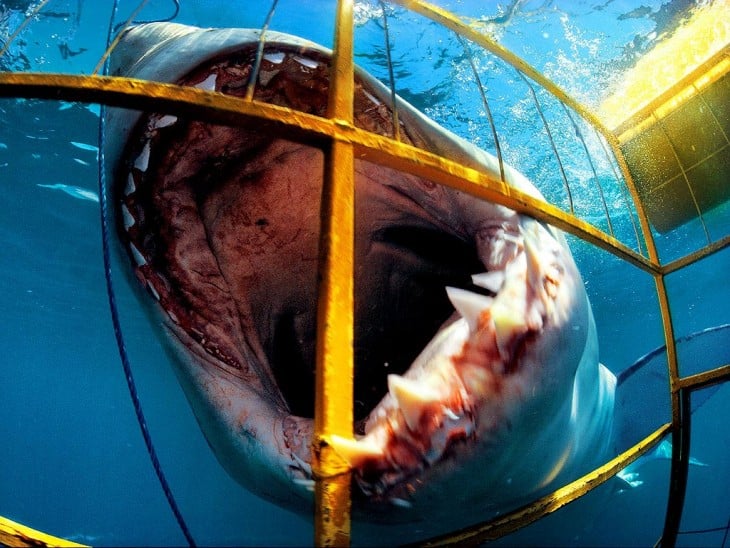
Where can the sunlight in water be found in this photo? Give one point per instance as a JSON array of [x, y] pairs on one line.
[[703, 35]]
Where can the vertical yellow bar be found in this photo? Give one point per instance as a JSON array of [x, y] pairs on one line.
[[335, 320]]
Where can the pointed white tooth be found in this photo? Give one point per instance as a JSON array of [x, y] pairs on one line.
[[355, 452], [532, 253], [138, 257], [142, 161], [371, 97], [302, 464], [209, 83], [450, 414], [163, 121], [154, 292], [537, 266], [127, 218], [401, 503], [308, 484], [411, 398], [305, 61], [469, 305], [507, 323], [492, 280], [274, 58], [130, 188]]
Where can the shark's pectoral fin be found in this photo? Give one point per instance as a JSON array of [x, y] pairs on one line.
[[630, 477], [628, 480]]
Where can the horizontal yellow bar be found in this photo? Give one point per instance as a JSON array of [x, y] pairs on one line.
[[706, 378], [532, 512], [17, 535], [409, 159], [698, 255], [224, 109], [452, 22]]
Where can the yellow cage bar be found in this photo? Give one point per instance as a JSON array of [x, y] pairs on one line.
[[16, 535], [335, 325]]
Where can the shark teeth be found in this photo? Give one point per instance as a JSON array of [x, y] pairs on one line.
[[400, 503], [355, 452], [470, 305], [127, 217], [306, 62], [535, 265], [507, 323], [208, 84], [138, 257], [307, 484], [274, 58], [131, 188], [412, 398], [492, 281], [162, 122], [142, 161]]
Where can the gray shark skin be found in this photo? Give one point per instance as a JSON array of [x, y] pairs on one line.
[[461, 414]]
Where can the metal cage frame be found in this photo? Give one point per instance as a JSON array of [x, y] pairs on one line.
[[342, 143]]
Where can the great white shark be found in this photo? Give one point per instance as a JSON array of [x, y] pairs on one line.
[[477, 380]]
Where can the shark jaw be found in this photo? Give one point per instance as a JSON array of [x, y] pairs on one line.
[[471, 320]]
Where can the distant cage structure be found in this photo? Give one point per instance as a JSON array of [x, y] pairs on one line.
[[333, 409]]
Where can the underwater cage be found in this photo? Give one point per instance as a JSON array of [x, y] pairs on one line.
[[638, 182]]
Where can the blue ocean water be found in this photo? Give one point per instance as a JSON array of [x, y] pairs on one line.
[[73, 461]]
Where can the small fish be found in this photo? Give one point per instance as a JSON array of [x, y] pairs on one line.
[[74, 191], [637, 13], [84, 146]]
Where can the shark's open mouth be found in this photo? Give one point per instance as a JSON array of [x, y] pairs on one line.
[[222, 225]]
